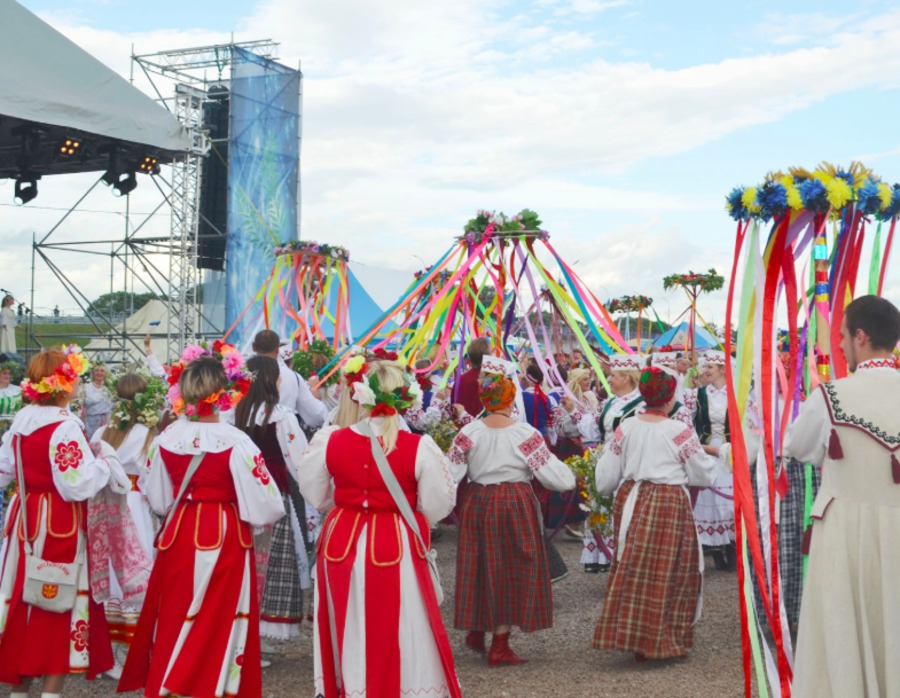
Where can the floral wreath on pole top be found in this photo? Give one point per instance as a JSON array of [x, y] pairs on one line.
[[310, 247], [487, 223], [629, 304], [237, 379], [303, 360], [367, 391], [710, 281], [62, 380], [825, 189]]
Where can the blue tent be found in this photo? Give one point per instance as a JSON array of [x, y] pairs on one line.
[[364, 311], [677, 338]]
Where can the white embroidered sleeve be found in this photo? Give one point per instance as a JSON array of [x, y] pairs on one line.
[[611, 465], [807, 438], [259, 501], [313, 476], [436, 489], [77, 473], [292, 442], [551, 472], [458, 455], [155, 482], [699, 466]]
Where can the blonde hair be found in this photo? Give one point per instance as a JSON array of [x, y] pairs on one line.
[[348, 412], [391, 376], [575, 377], [633, 376], [127, 387], [201, 378]]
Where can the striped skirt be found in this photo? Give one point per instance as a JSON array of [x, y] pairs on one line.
[[502, 573], [654, 587]]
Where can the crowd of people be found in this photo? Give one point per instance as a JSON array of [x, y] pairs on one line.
[[168, 521]]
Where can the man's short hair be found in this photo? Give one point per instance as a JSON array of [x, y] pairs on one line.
[[266, 342], [877, 317], [478, 348]]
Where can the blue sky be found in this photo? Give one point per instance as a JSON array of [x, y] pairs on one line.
[[622, 122]]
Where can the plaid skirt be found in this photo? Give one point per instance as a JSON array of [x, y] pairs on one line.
[[653, 590], [790, 536], [502, 573], [282, 599]]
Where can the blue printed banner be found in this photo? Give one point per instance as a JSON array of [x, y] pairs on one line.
[[263, 172]]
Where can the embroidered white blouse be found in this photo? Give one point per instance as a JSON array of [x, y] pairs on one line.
[[516, 453]]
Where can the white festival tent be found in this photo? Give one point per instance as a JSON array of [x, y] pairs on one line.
[[52, 83], [136, 326]]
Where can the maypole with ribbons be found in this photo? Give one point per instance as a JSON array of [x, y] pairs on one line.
[[492, 282], [306, 296], [767, 382]]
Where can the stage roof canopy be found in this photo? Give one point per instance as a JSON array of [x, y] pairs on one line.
[[52, 90]]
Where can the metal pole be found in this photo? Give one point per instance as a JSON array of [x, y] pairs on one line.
[[29, 324]]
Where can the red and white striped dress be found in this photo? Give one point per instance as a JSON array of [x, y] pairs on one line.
[[378, 626], [198, 634]]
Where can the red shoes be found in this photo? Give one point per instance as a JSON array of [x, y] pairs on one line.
[[475, 641], [501, 653]]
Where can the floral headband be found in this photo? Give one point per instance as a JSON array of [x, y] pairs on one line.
[[144, 408], [62, 380], [237, 378], [367, 389]]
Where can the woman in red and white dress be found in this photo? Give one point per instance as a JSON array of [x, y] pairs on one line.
[[61, 474], [198, 634], [378, 626]]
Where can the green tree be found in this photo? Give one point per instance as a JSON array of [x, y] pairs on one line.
[[120, 302]]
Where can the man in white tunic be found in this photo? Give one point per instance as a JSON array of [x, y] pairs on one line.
[[849, 635]]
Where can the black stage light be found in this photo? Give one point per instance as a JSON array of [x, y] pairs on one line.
[[69, 147], [119, 174], [26, 187], [150, 165]]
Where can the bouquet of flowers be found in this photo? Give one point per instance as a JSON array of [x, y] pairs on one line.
[[145, 408], [598, 507], [313, 248], [443, 433]]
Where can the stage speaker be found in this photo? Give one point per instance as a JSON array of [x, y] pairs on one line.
[[213, 231]]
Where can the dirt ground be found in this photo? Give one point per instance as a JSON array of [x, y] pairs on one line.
[[562, 663]]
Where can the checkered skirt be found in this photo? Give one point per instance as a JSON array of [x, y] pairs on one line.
[[653, 590], [282, 600], [790, 536], [502, 572]]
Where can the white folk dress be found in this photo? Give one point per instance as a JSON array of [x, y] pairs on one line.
[[714, 510], [611, 409], [7, 331], [121, 615], [849, 636]]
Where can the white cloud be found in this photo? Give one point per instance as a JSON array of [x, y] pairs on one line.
[[418, 113]]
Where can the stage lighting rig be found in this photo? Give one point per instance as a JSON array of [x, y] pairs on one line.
[[69, 148], [150, 165], [26, 187], [119, 174]]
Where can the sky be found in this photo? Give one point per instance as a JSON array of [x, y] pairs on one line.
[[623, 123]]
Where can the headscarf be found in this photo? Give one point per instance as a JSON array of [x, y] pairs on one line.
[[496, 392], [657, 386]]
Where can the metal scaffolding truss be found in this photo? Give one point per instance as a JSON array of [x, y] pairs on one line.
[[188, 69], [137, 258]]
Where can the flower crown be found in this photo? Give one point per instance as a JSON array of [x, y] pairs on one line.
[[237, 385], [144, 408], [62, 380], [367, 390]]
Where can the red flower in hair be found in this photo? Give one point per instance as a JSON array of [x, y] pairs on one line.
[[358, 376], [424, 382], [204, 409], [175, 373], [382, 410], [383, 355], [217, 346]]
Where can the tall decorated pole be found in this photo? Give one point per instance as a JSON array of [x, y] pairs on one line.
[[629, 305], [694, 284]]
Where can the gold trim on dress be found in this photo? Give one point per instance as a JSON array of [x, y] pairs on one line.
[[350, 539], [218, 544], [390, 563]]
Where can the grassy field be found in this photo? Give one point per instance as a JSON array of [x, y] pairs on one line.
[[48, 334]]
